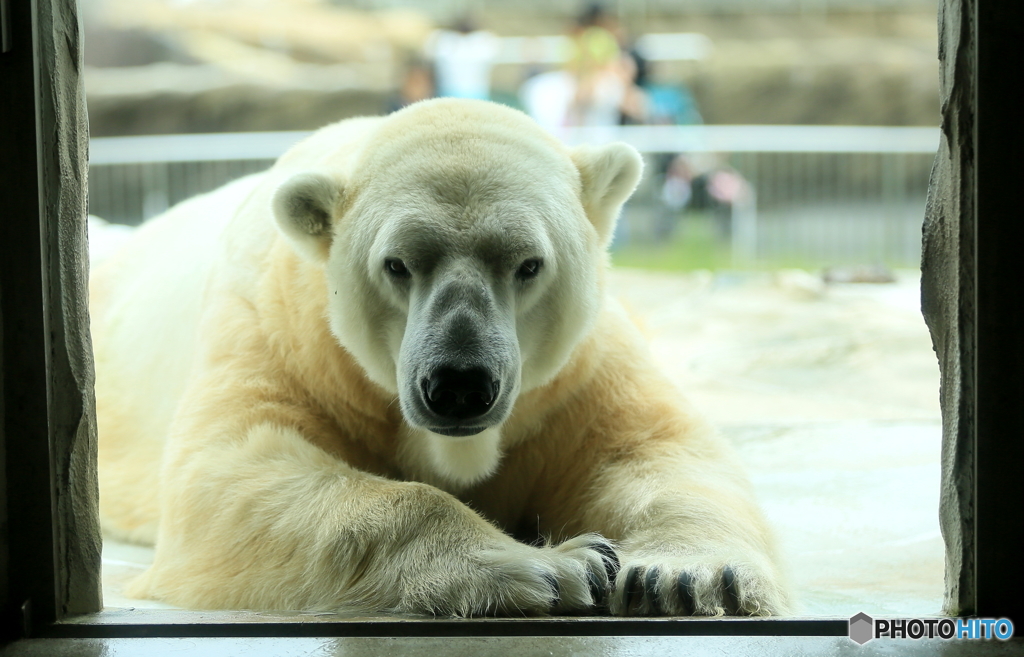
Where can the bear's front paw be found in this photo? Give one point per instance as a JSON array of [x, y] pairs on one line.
[[572, 577], [697, 586]]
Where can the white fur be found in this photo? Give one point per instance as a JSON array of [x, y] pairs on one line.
[[451, 464], [305, 207], [261, 383]]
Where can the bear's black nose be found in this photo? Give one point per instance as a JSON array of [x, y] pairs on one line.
[[459, 394]]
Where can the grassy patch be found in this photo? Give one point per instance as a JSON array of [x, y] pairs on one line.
[[697, 244], [693, 245]]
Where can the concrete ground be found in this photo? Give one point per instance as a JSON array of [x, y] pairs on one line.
[[567, 646], [829, 393]]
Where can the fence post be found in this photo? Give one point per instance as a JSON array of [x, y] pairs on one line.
[[744, 227]]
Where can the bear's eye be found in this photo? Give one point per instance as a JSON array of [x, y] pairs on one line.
[[396, 268], [529, 269]]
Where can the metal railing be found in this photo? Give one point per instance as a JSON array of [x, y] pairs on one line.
[[820, 194], [446, 10]]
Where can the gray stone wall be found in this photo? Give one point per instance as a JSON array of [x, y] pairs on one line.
[[948, 292], [72, 408]]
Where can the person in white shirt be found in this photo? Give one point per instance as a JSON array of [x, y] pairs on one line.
[[463, 59]]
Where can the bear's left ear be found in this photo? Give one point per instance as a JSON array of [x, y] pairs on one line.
[[609, 175], [303, 207]]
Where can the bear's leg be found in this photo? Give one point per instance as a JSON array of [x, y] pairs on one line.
[[699, 548], [267, 520], [690, 536]]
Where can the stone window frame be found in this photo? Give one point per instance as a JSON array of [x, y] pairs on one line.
[[49, 531]]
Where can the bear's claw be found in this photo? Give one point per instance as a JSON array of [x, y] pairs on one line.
[[639, 592], [598, 588], [599, 579], [730, 592], [650, 591], [632, 589], [611, 559], [696, 589], [684, 589]]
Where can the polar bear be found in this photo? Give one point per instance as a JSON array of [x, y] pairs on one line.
[[384, 375]]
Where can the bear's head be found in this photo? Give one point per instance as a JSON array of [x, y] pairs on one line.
[[464, 249]]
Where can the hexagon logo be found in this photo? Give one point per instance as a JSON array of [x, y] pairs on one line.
[[862, 628]]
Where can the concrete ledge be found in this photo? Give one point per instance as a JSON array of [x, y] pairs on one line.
[[693, 646]]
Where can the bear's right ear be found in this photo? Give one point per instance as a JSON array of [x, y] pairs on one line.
[[608, 174], [304, 206]]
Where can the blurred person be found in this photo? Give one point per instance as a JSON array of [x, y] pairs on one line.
[[728, 188], [597, 86], [633, 68], [634, 109], [547, 98], [605, 73], [463, 58], [417, 84], [676, 193], [671, 105], [701, 182], [720, 190]]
